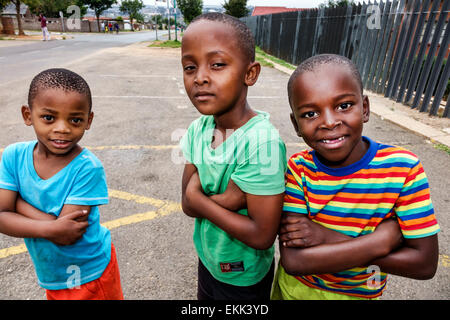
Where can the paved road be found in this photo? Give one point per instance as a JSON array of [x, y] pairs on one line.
[[18, 61], [140, 110]]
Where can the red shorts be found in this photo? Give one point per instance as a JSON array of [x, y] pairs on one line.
[[107, 287]]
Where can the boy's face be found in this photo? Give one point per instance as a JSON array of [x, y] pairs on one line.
[[59, 119], [329, 112], [215, 71]]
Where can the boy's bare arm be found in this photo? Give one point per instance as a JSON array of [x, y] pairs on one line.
[[335, 257], [416, 258], [232, 199], [61, 231], [189, 170], [27, 210], [257, 230]]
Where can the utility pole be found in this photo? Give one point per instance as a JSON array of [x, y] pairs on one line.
[[175, 14], [168, 17]]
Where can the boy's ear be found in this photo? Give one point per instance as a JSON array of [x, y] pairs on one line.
[[295, 124], [26, 115], [366, 109], [252, 73], [91, 117]]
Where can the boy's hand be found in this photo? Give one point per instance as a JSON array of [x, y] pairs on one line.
[[68, 229], [232, 199], [299, 231]]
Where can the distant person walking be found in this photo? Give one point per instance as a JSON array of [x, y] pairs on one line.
[[116, 27], [45, 33]]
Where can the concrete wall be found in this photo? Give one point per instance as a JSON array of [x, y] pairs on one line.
[[54, 24]]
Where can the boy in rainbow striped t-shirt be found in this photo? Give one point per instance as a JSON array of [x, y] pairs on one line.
[[342, 195]]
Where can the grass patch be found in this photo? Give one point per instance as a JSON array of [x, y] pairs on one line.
[[262, 55], [442, 147], [166, 44]]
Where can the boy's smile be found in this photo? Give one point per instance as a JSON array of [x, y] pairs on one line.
[[214, 68], [59, 119], [328, 112]]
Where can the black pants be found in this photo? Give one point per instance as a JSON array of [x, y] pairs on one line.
[[211, 289]]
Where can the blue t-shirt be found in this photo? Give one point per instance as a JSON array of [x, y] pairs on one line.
[[81, 182]]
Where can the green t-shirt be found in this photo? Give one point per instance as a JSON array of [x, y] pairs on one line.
[[254, 157]]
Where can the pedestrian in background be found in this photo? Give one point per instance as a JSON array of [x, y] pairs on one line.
[[45, 33]]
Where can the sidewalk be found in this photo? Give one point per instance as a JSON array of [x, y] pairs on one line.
[[437, 130]]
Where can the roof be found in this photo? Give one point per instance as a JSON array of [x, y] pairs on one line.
[[258, 11], [10, 9]]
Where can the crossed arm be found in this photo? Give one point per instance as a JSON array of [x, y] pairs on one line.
[[20, 219], [257, 230], [322, 250]]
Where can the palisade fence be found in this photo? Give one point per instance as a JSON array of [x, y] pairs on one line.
[[400, 47]]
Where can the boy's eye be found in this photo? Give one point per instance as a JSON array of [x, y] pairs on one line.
[[309, 114], [344, 106], [218, 65], [47, 117], [77, 120], [189, 68]]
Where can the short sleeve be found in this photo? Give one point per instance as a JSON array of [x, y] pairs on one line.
[[294, 199], [262, 173], [89, 188], [413, 208], [7, 170]]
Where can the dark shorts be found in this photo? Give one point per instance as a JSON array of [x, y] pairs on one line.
[[211, 289]]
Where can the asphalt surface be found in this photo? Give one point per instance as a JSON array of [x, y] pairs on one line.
[[140, 112]]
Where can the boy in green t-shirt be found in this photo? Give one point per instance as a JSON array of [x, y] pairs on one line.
[[233, 181]]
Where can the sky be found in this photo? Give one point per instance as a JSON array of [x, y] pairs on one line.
[[274, 3]]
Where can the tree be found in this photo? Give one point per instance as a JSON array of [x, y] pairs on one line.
[[132, 7], [17, 4], [99, 6], [190, 9], [236, 8], [51, 8], [336, 3]]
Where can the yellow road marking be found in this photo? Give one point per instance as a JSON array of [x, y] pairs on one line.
[[164, 208]]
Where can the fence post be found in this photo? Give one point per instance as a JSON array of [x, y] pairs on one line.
[[427, 67], [297, 32], [414, 46], [318, 31], [392, 43], [421, 54], [435, 72], [402, 49], [345, 35], [379, 45]]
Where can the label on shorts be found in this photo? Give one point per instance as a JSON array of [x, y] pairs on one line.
[[232, 266]]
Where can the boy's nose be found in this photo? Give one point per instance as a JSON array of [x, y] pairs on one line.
[[201, 77], [61, 127], [330, 120]]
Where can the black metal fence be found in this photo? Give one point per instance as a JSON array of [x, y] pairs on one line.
[[400, 47]]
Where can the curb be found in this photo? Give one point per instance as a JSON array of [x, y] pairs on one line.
[[397, 117]]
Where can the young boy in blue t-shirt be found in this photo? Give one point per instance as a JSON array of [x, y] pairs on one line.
[[50, 190]]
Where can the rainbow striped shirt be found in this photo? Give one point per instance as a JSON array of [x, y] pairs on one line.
[[388, 181]]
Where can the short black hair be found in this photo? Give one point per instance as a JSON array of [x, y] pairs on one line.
[[310, 64], [59, 78], [244, 36]]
